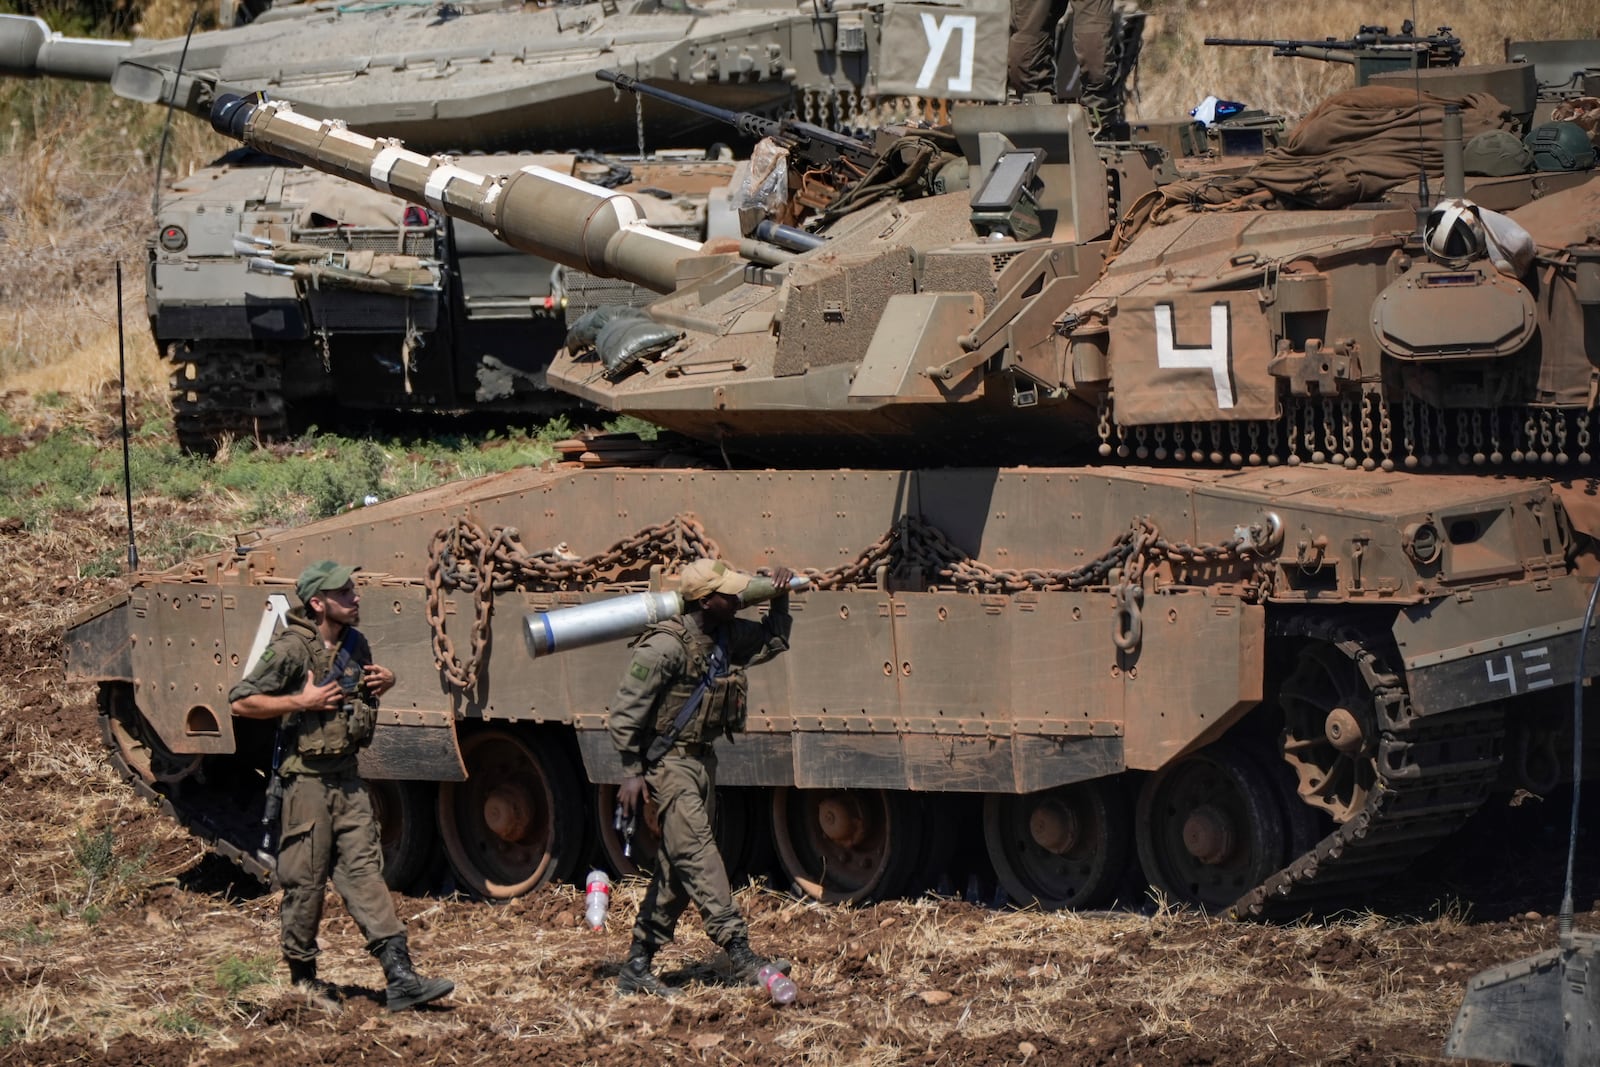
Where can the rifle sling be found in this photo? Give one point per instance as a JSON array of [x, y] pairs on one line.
[[341, 660], [715, 668]]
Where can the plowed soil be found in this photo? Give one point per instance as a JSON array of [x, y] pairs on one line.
[[164, 955]]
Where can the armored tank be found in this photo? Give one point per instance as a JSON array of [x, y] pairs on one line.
[[471, 326], [1148, 543]]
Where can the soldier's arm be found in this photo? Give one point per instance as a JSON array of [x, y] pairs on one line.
[[773, 638], [656, 661], [279, 685], [311, 697]]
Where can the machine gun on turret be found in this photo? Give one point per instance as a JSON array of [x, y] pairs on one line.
[[1372, 50], [826, 173]]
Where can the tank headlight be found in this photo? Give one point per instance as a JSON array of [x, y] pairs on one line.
[[173, 239], [1421, 541]]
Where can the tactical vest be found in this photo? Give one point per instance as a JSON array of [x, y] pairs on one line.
[[722, 709], [344, 729]]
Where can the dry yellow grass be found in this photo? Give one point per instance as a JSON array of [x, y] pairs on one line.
[[1177, 70]]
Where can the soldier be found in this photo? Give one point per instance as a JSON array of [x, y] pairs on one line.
[[684, 685], [1029, 55], [318, 679]]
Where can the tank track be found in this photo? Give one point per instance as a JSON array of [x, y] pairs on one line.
[[1433, 772], [207, 814], [225, 389]]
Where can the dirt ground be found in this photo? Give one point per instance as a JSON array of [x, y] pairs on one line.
[[162, 954]]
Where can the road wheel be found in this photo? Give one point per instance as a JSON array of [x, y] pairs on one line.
[[1063, 848], [517, 821], [406, 828], [136, 741], [846, 845], [1209, 827]]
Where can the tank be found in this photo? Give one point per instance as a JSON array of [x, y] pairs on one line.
[[1223, 556], [283, 297], [473, 329]]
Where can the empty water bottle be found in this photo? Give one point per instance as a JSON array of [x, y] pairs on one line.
[[779, 986], [597, 898]]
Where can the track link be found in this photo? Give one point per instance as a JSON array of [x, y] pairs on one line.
[[209, 814], [223, 390], [1433, 772]]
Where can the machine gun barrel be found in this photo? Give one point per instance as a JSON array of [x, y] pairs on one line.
[[534, 209], [747, 123]]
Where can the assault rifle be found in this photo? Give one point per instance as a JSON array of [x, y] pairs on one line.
[[272, 811], [823, 164], [1371, 51]]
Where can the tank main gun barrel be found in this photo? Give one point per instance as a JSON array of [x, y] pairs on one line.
[[536, 210], [30, 48]]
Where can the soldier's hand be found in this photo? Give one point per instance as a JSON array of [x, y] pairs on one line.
[[631, 795], [323, 697], [379, 679], [780, 578]]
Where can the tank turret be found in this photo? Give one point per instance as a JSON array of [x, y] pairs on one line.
[[1077, 293], [490, 76], [254, 353]]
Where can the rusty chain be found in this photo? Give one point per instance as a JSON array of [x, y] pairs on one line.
[[467, 559]]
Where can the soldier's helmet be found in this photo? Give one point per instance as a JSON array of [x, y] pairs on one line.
[[1496, 153], [1561, 146]]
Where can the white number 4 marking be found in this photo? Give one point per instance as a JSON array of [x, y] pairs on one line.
[[1172, 356]]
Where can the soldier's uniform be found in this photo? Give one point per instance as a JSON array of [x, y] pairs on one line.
[[327, 814], [668, 663], [1030, 52], [327, 827]]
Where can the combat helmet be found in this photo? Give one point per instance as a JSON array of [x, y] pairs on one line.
[[1496, 153], [1561, 146]]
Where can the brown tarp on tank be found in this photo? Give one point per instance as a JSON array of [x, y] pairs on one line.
[[328, 204], [1356, 145], [1569, 352]]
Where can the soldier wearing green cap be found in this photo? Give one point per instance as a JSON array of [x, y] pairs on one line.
[[685, 685], [318, 679]]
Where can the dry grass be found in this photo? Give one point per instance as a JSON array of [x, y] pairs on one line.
[[1177, 70]]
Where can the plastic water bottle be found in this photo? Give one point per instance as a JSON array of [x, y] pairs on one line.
[[597, 899], [779, 986]]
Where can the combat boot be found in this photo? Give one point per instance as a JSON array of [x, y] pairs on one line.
[[303, 976], [747, 961], [636, 976], [406, 988]]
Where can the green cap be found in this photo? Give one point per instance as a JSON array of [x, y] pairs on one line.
[[321, 575]]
